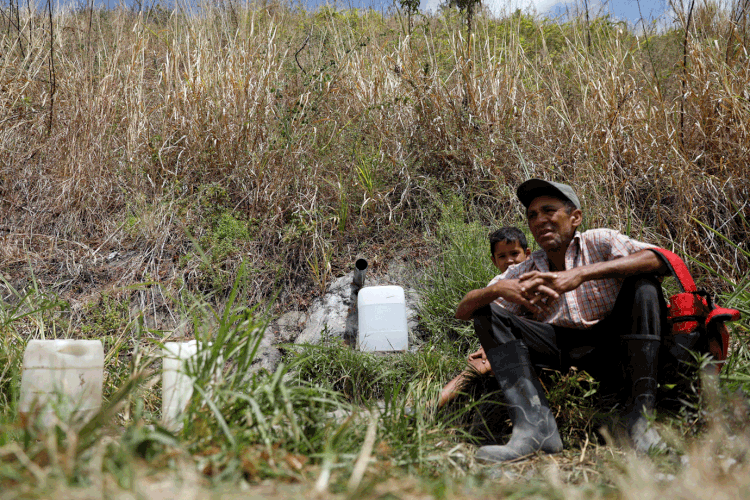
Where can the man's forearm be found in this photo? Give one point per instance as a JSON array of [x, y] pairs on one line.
[[642, 262], [476, 299], [553, 284], [510, 290], [534, 285]]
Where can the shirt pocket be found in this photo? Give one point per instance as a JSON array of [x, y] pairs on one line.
[[596, 299]]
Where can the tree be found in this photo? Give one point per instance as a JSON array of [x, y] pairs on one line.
[[468, 7], [411, 7]]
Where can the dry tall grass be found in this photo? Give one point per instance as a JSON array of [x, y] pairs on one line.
[[324, 132]]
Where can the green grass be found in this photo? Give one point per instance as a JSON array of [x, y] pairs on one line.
[[462, 264], [329, 411]]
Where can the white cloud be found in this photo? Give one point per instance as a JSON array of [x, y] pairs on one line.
[[539, 6], [630, 10], [429, 5], [502, 6]]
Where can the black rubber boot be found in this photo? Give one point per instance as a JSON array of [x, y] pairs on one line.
[[642, 356], [534, 426]]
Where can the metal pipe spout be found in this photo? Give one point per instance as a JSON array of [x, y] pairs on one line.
[[360, 268]]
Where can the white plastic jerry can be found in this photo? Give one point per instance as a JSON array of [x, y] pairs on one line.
[[176, 385], [382, 319], [62, 377]]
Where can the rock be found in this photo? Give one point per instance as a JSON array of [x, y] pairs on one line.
[[412, 309], [288, 326], [328, 315], [268, 356]]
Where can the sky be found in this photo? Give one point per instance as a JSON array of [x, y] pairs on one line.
[[620, 9]]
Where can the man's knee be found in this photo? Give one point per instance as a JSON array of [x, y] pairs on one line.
[[492, 326], [490, 314], [482, 312], [483, 327], [647, 296], [647, 289]]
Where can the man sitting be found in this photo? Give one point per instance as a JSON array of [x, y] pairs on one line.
[[590, 300]]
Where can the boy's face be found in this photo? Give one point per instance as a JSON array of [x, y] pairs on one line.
[[508, 253]]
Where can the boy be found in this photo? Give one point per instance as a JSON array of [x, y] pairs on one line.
[[508, 246]]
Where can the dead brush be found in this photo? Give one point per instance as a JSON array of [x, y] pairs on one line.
[[154, 112]]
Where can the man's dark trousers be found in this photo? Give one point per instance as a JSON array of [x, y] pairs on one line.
[[639, 313]]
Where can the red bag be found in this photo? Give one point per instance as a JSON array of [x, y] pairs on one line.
[[697, 323]]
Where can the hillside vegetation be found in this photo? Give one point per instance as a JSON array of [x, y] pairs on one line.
[[293, 140], [164, 169]]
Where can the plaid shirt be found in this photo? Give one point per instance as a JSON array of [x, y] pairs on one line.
[[592, 301]]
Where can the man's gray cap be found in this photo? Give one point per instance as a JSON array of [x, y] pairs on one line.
[[538, 187]]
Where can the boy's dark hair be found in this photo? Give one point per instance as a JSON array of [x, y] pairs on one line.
[[509, 234]]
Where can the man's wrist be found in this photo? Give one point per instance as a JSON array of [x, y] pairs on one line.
[[586, 273]]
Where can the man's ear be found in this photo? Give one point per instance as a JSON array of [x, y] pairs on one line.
[[528, 252], [577, 217]]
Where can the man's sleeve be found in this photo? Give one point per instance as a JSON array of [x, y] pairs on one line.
[[622, 246]]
